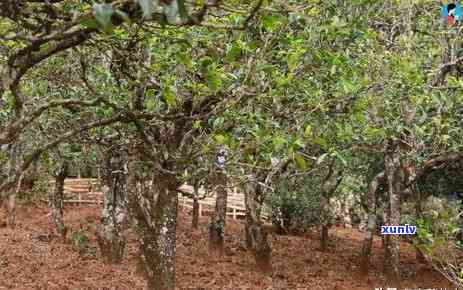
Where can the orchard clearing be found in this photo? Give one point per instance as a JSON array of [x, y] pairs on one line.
[[30, 258]]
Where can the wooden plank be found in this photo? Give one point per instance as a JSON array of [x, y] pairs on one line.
[[82, 201], [235, 203]]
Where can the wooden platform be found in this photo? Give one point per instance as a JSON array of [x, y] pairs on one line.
[[80, 191]]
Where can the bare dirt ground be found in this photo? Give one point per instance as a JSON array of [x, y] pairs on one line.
[[29, 260]]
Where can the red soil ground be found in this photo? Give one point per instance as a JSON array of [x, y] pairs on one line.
[[26, 262]]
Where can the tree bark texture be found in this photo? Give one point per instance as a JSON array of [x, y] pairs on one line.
[[329, 185], [217, 226], [418, 213], [111, 239], [371, 226], [394, 177], [13, 171], [153, 211], [55, 199], [325, 219], [195, 213], [256, 237], [324, 237]]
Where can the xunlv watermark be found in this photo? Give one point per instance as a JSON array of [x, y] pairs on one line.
[[398, 230]]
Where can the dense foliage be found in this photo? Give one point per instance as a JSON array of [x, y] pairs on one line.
[[312, 100]]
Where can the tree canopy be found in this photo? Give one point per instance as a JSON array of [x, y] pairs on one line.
[[346, 94]]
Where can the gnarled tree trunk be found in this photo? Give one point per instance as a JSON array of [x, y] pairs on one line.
[[394, 177], [217, 226], [110, 237], [11, 210], [195, 213], [371, 226], [153, 211], [256, 237], [418, 213], [13, 172], [55, 199], [324, 206], [31, 177], [329, 185]]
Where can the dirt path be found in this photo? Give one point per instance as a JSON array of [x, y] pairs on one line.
[[28, 260]]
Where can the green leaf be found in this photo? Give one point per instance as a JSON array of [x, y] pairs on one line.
[[307, 131], [279, 142], [103, 14], [205, 62], [373, 133], [341, 158], [300, 161], [298, 143], [89, 21], [321, 141], [169, 97], [214, 80], [218, 123], [147, 6], [293, 59], [197, 124], [186, 60], [220, 139], [270, 22], [150, 104], [233, 52]]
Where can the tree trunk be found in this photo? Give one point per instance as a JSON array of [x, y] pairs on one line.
[[110, 237], [324, 205], [13, 171], [324, 237], [56, 199], [418, 212], [371, 226], [394, 175], [195, 213], [31, 177], [256, 237], [329, 185], [153, 210], [11, 210], [280, 220], [217, 226]]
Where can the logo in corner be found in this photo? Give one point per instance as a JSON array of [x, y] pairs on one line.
[[451, 13]]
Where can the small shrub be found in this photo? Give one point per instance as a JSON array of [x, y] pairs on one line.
[[295, 207], [81, 242], [39, 190], [438, 234], [41, 187]]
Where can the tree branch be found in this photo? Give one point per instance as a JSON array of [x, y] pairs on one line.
[[29, 159], [14, 129]]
